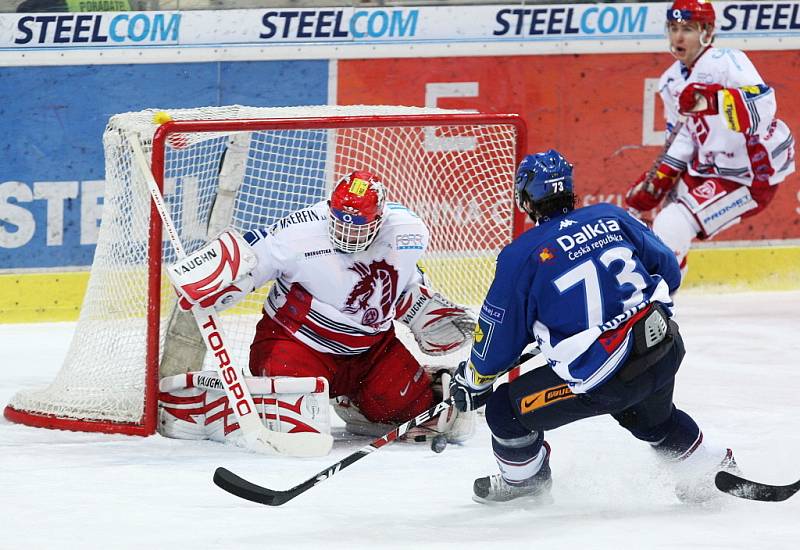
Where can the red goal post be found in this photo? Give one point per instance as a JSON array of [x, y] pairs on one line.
[[250, 167]]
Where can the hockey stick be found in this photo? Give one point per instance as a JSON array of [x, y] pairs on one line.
[[240, 487], [753, 490], [235, 485], [648, 180], [647, 183], [257, 437], [184, 349]]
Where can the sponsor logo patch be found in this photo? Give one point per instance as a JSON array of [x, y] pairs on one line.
[[588, 233], [410, 241], [545, 255], [493, 312], [315, 253], [545, 397], [359, 187], [479, 379]]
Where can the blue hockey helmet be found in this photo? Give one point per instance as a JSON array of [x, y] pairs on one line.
[[542, 176]]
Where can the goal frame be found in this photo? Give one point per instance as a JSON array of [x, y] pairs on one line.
[[148, 422]]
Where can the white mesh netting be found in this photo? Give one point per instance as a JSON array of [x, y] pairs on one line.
[[458, 178]]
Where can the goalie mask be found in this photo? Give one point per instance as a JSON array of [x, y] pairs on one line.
[[356, 211], [544, 185]]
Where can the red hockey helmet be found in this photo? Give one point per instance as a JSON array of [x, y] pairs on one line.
[[700, 11], [356, 211]]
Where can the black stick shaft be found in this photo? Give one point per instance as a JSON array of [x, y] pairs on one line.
[[754, 490], [232, 483]]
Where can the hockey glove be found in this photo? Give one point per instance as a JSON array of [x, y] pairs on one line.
[[645, 195], [217, 275], [469, 389], [699, 99], [439, 325]]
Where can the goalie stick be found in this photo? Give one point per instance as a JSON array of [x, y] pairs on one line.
[[240, 487], [754, 490], [257, 437]]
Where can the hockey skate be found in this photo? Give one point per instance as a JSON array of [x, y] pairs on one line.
[[494, 489], [698, 487]]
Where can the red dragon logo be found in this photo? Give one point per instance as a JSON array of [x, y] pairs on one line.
[[378, 272]]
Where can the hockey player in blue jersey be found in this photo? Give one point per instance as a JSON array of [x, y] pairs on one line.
[[591, 286]]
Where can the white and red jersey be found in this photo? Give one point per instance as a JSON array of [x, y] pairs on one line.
[[745, 142], [335, 302]]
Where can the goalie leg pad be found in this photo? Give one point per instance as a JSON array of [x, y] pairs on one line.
[[194, 406]]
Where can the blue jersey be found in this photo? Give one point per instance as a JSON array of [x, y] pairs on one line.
[[575, 284]]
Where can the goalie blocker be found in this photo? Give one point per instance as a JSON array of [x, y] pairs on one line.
[[217, 275]]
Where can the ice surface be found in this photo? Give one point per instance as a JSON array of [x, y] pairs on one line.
[[740, 381]]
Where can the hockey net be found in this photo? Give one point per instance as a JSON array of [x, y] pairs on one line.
[[249, 167]]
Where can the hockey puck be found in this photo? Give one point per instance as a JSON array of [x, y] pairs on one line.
[[439, 444]]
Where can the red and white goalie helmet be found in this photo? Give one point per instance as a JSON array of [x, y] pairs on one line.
[[356, 211]]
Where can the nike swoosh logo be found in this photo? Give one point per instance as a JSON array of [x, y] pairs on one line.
[[528, 404], [405, 390]]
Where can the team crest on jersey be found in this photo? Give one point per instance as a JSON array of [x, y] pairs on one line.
[[477, 334], [379, 276], [482, 337], [707, 190]]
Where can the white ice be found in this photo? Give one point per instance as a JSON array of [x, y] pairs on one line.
[[740, 381]]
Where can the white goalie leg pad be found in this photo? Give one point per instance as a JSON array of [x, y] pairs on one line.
[[194, 406], [456, 426]]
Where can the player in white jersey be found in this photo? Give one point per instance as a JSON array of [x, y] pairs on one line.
[[344, 270], [729, 150]]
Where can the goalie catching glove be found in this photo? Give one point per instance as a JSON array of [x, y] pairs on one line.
[[438, 325], [217, 275]]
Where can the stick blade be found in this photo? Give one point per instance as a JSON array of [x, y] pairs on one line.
[[753, 490], [235, 485]]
